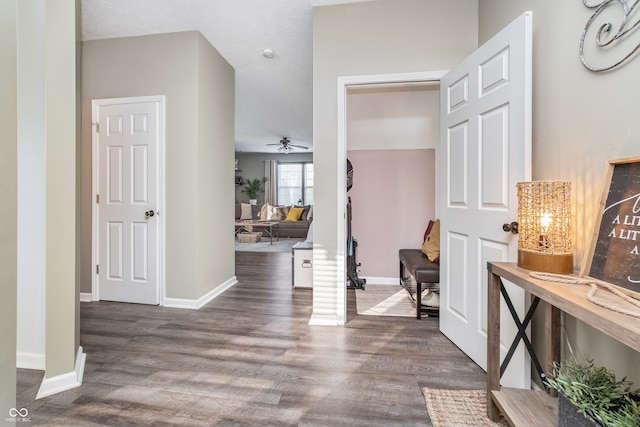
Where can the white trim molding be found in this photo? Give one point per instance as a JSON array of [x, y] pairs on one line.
[[30, 361], [60, 383], [196, 304], [382, 280], [324, 320]]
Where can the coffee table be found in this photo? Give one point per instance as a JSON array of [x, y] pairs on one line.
[[267, 226]]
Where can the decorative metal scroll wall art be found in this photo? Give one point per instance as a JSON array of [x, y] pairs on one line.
[[615, 14]]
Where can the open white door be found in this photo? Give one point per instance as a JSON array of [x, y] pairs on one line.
[[127, 186], [485, 150]]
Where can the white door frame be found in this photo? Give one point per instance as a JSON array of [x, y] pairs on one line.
[[95, 214], [341, 191]]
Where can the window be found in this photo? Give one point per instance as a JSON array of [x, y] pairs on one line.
[[295, 183]]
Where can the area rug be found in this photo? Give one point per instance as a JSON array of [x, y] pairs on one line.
[[282, 245], [384, 300], [450, 408]]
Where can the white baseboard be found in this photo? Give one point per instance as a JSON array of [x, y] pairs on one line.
[[324, 320], [196, 304], [30, 361], [64, 382], [382, 280], [86, 297]]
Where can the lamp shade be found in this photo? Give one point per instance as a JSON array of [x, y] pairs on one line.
[[544, 226]]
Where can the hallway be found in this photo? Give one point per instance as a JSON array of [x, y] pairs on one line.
[[250, 358]]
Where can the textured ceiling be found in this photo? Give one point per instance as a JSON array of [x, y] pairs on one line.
[[273, 96]]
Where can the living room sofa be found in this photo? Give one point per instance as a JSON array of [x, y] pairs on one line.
[[286, 228]]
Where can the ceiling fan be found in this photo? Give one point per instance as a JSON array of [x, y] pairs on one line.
[[286, 147]]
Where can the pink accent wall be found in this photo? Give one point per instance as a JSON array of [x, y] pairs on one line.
[[392, 200]]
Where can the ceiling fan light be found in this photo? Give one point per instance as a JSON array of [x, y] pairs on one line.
[[285, 149]]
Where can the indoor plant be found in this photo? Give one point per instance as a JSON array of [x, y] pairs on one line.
[[252, 188], [595, 393]]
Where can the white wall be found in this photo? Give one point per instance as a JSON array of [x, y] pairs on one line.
[[581, 120], [393, 117], [398, 36]]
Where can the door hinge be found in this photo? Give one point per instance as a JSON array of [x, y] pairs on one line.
[[98, 269], [97, 198], [97, 127]]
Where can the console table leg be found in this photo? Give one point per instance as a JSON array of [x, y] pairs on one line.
[[493, 343], [552, 339]]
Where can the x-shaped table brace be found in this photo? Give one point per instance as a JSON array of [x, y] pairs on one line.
[[522, 335]]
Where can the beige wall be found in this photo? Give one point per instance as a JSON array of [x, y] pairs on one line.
[[215, 164], [581, 119], [199, 89], [369, 38], [9, 205], [54, 50], [60, 104]]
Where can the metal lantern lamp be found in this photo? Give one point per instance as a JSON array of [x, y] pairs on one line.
[[544, 226]]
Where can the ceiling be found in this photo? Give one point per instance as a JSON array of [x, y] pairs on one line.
[[273, 95]]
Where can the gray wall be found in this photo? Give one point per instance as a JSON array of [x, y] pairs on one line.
[[385, 36], [199, 88], [9, 205], [581, 120]]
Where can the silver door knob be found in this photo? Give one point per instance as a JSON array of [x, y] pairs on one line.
[[149, 214], [513, 227]]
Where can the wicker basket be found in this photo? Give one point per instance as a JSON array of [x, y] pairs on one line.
[[249, 237]]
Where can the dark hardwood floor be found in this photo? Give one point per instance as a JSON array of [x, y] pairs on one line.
[[249, 358]]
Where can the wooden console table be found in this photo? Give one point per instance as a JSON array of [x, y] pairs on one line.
[[537, 408]]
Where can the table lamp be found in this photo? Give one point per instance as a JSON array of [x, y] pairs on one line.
[[544, 226]]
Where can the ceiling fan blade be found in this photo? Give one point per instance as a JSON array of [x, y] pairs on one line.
[[299, 146], [274, 144]]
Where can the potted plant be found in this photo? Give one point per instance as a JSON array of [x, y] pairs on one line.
[[590, 395], [252, 188]]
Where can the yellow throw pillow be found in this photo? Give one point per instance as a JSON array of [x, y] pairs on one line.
[[431, 246], [294, 214]]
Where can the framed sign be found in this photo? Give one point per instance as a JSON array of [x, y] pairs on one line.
[[613, 255]]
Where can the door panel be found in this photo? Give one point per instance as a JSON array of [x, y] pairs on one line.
[[128, 140], [486, 145]]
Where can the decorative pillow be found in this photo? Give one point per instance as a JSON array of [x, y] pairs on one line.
[[266, 212], [431, 246], [428, 230], [281, 212], [305, 212], [310, 214], [245, 211], [294, 214], [272, 213]]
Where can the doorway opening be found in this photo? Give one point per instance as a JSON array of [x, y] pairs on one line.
[[347, 86]]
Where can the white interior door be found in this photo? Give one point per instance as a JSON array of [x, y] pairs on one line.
[[128, 139], [485, 150]]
